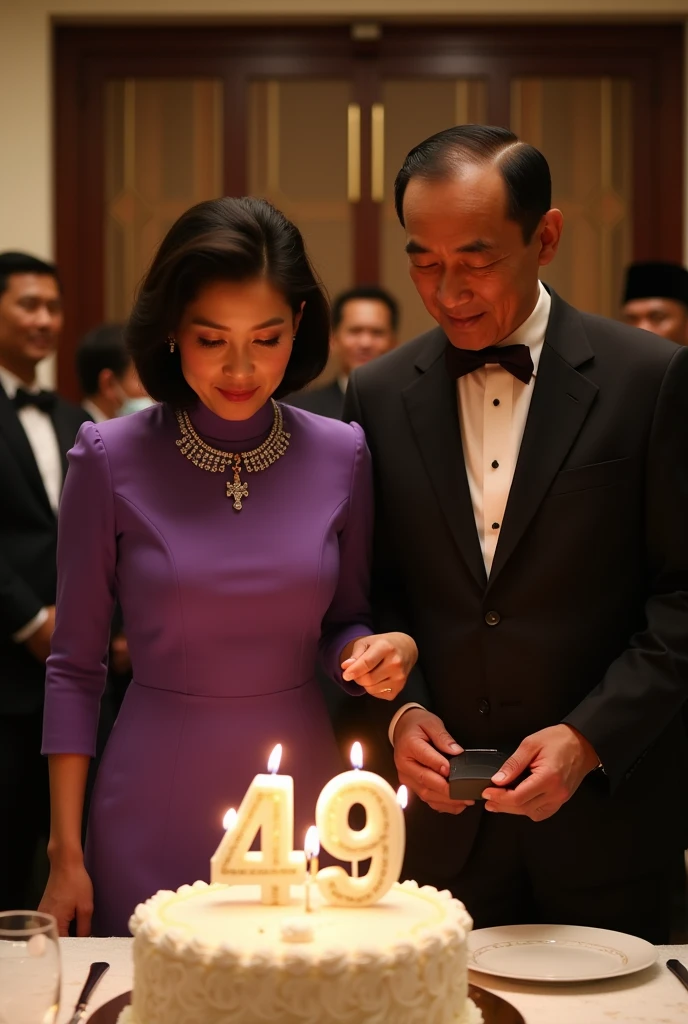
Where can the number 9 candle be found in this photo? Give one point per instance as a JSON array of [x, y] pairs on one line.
[[381, 840]]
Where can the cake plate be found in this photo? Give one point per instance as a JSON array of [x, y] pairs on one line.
[[495, 1010]]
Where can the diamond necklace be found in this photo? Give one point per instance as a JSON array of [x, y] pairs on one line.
[[213, 460]]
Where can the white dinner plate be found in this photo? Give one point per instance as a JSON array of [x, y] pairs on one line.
[[557, 952]]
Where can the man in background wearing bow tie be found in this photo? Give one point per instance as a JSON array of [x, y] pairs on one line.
[[531, 465], [37, 428]]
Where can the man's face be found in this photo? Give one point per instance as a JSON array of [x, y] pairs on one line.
[[665, 317], [364, 333], [474, 272], [30, 320]]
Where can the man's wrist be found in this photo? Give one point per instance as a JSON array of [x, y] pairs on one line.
[[590, 756], [395, 720]]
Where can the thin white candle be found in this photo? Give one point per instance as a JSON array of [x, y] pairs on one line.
[[356, 764], [311, 848]]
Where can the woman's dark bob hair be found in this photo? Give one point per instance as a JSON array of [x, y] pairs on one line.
[[225, 240]]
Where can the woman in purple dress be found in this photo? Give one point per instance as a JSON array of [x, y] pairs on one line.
[[236, 535]]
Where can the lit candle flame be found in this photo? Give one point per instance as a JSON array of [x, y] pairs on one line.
[[274, 759], [357, 755], [402, 797], [312, 843], [230, 819]]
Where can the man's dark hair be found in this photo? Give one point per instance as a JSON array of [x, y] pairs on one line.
[[366, 291], [103, 348], [524, 169], [227, 239], [22, 263]]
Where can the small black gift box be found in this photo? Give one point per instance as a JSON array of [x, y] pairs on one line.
[[470, 773]]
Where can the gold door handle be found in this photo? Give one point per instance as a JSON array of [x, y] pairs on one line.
[[353, 183], [377, 150]]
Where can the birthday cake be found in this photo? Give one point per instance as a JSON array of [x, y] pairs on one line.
[[214, 954]]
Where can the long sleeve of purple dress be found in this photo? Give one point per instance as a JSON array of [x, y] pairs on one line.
[[87, 557], [226, 614]]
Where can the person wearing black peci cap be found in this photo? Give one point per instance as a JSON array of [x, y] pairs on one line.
[[656, 299]]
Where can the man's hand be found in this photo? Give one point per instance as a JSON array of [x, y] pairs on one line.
[[559, 758], [421, 767], [39, 642], [380, 663]]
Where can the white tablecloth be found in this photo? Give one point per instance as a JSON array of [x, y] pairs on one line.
[[653, 996]]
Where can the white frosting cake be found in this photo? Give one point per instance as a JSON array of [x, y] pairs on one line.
[[213, 954]]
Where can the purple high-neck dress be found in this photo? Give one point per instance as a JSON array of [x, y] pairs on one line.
[[225, 613]]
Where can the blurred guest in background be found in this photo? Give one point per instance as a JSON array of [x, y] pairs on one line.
[[37, 428], [107, 375], [364, 326], [656, 299]]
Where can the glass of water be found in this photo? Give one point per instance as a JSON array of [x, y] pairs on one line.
[[29, 968]]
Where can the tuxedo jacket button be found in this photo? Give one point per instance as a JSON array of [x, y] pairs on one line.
[[484, 707], [493, 618]]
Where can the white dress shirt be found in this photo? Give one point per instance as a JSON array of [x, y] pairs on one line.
[[41, 435], [96, 414], [493, 409]]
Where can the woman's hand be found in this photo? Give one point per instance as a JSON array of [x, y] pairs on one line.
[[380, 663], [69, 895]]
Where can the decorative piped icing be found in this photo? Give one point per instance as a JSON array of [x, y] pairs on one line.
[[297, 929], [215, 954]]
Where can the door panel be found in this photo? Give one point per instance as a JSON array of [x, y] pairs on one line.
[[298, 158], [163, 153], [584, 126]]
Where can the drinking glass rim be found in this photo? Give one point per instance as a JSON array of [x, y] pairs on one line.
[[48, 924]]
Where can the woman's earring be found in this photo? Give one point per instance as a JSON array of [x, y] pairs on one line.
[[293, 338], [170, 342]]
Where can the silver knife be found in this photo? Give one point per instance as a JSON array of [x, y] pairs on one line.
[[96, 972], [677, 968]]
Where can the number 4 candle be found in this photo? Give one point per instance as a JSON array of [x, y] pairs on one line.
[[269, 806]]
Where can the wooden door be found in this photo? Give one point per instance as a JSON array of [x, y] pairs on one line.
[[150, 120]]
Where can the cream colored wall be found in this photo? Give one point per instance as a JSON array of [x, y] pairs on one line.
[[26, 200]]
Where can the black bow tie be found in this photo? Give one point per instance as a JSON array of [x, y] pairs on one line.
[[514, 358], [43, 400]]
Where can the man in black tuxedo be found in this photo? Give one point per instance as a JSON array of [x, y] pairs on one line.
[[531, 467], [364, 326], [37, 428]]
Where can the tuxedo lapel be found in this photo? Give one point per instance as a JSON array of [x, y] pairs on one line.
[[65, 435], [561, 401], [431, 407], [18, 444]]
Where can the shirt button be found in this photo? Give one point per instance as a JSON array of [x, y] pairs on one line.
[[495, 526], [495, 401], [493, 618], [484, 707], [495, 464]]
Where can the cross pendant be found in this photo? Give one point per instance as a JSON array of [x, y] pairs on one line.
[[237, 490]]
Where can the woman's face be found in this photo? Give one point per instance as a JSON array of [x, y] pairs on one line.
[[235, 340]]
